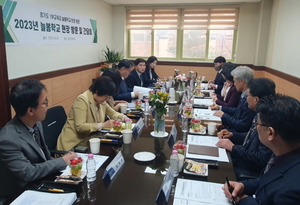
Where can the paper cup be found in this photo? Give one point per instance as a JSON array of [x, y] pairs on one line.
[[140, 95], [123, 108], [211, 128], [168, 84], [95, 145], [127, 135]]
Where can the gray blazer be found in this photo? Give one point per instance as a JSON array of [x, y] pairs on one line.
[[21, 159]]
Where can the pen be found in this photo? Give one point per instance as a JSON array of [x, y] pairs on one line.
[[230, 190], [56, 190], [108, 140]]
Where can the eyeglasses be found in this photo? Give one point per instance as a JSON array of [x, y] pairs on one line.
[[255, 123], [45, 103]]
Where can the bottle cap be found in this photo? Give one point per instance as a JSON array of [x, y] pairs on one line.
[[184, 115], [174, 152], [90, 156], [146, 100], [127, 119]]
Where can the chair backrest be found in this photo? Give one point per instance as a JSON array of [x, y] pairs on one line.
[[52, 125]]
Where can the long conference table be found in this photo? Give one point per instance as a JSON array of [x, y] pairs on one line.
[[132, 185]]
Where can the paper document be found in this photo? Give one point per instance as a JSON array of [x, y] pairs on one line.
[[207, 102], [194, 192], [30, 197], [143, 90], [100, 159], [206, 141], [206, 114]]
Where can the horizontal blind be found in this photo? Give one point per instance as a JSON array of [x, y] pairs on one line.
[[153, 19], [210, 18]]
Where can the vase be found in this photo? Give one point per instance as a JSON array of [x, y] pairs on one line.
[[159, 124], [181, 87]]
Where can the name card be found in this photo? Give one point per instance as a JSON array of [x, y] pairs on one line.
[[165, 189], [172, 136], [114, 166], [138, 128]]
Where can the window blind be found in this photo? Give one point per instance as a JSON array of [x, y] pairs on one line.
[[186, 18]]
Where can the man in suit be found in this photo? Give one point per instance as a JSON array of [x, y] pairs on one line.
[[125, 93], [238, 118], [24, 156], [219, 81], [136, 77], [278, 128], [249, 155]]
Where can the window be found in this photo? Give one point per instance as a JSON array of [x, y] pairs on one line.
[[182, 34]]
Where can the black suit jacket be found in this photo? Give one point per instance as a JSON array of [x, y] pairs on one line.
[[219, 80], [280, 185], [134, 80], [238, 118], [148, 80], [124, 92]]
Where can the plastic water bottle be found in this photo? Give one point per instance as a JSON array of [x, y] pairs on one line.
[[90, 168], [184, 123], [128, 124], [174, 163], [146, 108]]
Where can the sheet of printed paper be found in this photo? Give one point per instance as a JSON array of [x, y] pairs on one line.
[[193, 191]]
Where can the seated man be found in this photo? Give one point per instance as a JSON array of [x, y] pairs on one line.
[[124, 67], [24, 156], [250, 158], [278, 128], [238, 118], [219, 81], [136, 77]]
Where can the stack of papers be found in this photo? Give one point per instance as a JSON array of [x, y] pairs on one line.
[[206, 114], [207, 102], [191, 192], [36, 198], [209, 141]]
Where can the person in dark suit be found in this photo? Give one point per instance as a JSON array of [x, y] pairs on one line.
[[150, 74], [231, 96], [24, 155], [219, 81], [249, 155], [238, 118], [137, 76], [125, 67], [278, 128]]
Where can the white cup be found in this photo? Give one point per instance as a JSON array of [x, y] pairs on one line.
[[205, 86], [95, 145], [211, 128], [168, 84], [203, 78], [127, 135], [140, 96], [181, 161], [172, 92], [123, 108]]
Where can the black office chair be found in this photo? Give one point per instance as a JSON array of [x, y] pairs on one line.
[[52, 125]]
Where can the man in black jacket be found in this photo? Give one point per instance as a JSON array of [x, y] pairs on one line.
[[219, 81]]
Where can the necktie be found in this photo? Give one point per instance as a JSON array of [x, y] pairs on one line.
[[141, 80], [37, 135], [252, 128], [270, 164]]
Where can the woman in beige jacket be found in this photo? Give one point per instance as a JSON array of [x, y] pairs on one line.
[[88, 114]]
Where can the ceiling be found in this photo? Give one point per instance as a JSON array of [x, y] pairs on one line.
[[157, 2]]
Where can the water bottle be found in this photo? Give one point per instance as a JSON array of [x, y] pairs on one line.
[[92, 191], [174, 163], [128, 124], [146, 108], [90, 168], [184, 123]]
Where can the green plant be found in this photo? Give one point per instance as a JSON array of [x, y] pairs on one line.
[[112, 56]]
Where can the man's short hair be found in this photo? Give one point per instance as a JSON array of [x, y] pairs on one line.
[[139, 60], [243, 73], [283, 114], [125, 63], [261, 87], [220, 59], [25, 94], [103, 86]]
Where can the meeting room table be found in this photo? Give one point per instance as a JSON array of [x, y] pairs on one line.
[[132, 185]]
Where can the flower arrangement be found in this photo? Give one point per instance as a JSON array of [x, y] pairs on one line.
[[159, 101], [104, 67], [181, 82], [180, 78]]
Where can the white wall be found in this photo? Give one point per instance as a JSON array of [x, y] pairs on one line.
[[284, 41], [28, 60]]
